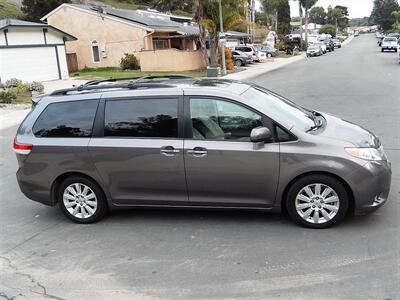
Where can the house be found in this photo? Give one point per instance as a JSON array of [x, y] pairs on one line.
[[161, 42], [32, 51]]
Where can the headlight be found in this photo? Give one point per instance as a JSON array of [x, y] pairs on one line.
[[367, 153]]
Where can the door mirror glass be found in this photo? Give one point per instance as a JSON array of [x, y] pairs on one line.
[[260, 134]]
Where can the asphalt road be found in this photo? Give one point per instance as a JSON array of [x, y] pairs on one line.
[[153, 254]]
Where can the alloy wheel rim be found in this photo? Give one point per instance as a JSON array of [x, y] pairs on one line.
[[80, 200], [317, 203]]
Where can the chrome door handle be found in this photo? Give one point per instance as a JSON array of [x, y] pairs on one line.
[[169, 151], [197, 152]]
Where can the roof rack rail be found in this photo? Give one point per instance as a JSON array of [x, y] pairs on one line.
[[134, 79], [130, 85]]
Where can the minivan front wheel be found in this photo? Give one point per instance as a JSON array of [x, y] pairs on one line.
[[317, 201], [81, 200]]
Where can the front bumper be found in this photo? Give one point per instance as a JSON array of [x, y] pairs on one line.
[[371, 186]]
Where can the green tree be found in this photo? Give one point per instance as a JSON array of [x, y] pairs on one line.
[[318, 15], [263, 18], [396, 25], [280, 10], [208, 18], [328, 29], [382, 13], [343, 21], [35, 9]]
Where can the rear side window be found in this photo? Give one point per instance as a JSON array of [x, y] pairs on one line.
[[142, 118], [66, 119]]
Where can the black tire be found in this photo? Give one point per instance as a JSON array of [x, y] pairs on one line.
[[238, 63], [327, 180], [382, 50], [101, 208]]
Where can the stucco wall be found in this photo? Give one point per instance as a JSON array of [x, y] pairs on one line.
[[113, 36], [170, 60]]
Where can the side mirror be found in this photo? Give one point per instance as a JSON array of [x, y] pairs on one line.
[[260, 134]]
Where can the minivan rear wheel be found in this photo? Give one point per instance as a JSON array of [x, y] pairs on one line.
[[81, 200], [317, 201]]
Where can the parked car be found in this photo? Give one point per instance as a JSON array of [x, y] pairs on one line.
[[241, 58], [201, 143], [337, 43], [269, 50], [389, 43], [379, 40], [248, 50], [261, 56], [322, 45], [356, 33], [314, 50], [394, 34]]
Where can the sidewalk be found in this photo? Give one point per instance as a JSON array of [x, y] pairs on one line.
[[12, 115], [264, 67]]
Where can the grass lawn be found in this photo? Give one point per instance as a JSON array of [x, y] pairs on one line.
[[23, 100], [118, 73]]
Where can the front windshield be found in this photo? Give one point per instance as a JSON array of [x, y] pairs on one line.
[[281, 108]]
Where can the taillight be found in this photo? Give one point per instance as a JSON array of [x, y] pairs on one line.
[[21, 148]]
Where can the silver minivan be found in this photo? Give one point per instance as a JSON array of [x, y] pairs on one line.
[[196, 143]]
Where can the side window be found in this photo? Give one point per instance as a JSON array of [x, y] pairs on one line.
[[222, 120], [282, 135], [141, 118], [66, 119]]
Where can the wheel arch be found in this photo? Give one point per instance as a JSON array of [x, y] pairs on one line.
[[345, 184], [56, 183]]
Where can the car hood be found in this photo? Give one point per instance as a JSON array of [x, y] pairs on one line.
[[340, 129]]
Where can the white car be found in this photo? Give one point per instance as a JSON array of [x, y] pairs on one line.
[[248, 49], [389, 43], [322, 45]]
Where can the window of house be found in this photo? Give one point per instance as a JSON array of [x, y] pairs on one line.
[[222, 120], [67, 119], [95, 51], [160, 44], [142, 118]]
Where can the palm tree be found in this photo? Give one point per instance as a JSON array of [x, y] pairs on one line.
[[198, 16], [301, 22], [336, 14], [307, 4], [231, 20]]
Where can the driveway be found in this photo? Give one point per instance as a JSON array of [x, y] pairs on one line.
[[154, 254]]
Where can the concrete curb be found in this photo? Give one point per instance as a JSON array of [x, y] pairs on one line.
[[265, 67], [348, 40]]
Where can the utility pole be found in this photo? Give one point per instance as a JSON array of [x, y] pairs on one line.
[[221, 25], [336, 27]]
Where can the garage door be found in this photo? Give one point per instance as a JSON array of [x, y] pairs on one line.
[[29, 64]]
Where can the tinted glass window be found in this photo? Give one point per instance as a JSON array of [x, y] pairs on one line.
[[66, 119], [222, 120], [142, 118]]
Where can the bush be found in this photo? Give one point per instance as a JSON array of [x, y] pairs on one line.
[[328, 29], [20, 89], [7, 97], [13, 82], [36, 86], [129, 62], [228, 59]]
